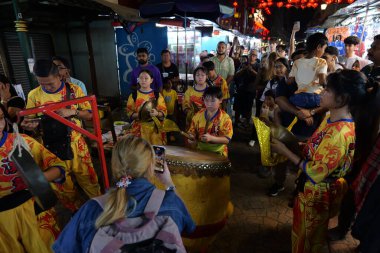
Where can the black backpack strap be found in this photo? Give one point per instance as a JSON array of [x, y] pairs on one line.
[[134, 96], [156, 95], [154, 202]]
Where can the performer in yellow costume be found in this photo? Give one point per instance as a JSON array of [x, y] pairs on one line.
[[218, 81], [212, 127], [151, 130], [52, 90], [193, 98], [21, 230], [327, 157]]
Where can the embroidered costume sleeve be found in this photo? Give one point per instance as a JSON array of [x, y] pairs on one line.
[[330, 150]]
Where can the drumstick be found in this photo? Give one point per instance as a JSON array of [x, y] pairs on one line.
[[186, 135]]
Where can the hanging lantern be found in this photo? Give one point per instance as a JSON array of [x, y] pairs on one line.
[[264, 5], [280, 4], [303, 6], [350, 1], [288, 6], [235, 4], [270, 4], [315, 5], [303, 1], [309, 5]]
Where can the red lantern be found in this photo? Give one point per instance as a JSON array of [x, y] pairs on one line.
[[315, 5], [303, 1], [309, 5], [350, 1], [270, 4], [339, 1], [252, 10], [280, 4], [264, 5], [288, 6], [303, 6], [235, 4]]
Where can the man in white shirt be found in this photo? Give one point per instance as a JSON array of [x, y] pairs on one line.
[[350, 44]]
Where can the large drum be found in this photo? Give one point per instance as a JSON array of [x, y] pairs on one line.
[[202, 180]]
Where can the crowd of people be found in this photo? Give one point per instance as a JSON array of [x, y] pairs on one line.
[[330, 101]]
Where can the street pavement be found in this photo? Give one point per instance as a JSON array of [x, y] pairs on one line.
[[259, 223]]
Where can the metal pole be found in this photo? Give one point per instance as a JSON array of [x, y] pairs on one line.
[[21, 29], [186, 64], [91, 60]]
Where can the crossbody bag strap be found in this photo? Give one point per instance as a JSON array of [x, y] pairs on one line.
[[154, 202]]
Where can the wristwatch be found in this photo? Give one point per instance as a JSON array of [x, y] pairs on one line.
[[312, 112], [171, 188]]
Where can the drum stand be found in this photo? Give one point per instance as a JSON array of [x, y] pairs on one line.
[[50, 109]]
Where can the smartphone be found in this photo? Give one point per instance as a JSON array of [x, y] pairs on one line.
[[159, 152], [297, 26]]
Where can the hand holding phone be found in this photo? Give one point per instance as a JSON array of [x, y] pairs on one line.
[[296, 26], [159, 152]]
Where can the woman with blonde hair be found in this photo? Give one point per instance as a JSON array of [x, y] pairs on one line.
[[132, 167]]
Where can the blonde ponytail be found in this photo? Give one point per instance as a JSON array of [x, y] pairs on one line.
[[132, 156], [115, 207]]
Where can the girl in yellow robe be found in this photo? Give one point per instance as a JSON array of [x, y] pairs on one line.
[[327, 157], [151, 130]]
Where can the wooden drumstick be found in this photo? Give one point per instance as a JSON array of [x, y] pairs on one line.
[[185, 134]]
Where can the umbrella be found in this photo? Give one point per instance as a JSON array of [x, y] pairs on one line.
[[200, 9]]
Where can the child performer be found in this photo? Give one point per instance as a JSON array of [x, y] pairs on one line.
[[212, 127], [150, 130], [171, 99], [193, 101], [217, 80]]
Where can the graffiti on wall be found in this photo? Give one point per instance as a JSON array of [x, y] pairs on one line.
[[149, 36]]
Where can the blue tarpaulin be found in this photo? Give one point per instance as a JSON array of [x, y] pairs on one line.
[[153, 38]]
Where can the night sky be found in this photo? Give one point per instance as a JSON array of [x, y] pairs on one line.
[[281, 21]]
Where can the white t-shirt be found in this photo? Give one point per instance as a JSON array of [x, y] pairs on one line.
[[348, 62], [306, 72]]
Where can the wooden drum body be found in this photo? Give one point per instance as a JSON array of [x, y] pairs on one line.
[[202, 181]]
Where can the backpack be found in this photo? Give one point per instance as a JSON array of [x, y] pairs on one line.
[[147, 233], [56, 135]]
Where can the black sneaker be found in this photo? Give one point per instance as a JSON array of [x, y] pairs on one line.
[[275, 189]]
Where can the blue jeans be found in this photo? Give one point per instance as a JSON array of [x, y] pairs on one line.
[[305, 100]]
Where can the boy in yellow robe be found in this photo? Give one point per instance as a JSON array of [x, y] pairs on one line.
[[211, 128]]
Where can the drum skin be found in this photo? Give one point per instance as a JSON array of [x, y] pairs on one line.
[[202, 180]]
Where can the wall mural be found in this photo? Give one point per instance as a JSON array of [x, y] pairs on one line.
[[147, 35]]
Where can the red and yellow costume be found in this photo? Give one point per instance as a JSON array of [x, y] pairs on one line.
[[170, 98], [192, 103], [219, 125], [81, 165], [149, 131], [220, 82], [21, 230], [329, 154]]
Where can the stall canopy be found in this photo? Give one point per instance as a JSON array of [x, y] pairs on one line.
[[358, 8], [201, 9]]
